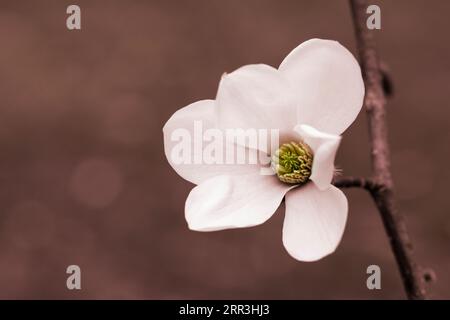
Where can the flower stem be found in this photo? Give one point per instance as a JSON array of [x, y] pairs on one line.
[[375, 104], [356, 182]]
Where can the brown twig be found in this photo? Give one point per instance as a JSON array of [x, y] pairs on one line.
[[386, 80], [375, 103], [378, 85], [356, 182]]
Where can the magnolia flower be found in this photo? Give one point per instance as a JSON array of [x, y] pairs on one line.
[[313, 96]]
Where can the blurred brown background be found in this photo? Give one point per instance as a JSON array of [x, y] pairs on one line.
[[84, 180]]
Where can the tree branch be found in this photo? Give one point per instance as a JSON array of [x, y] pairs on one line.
[[356, 182], [375, 103]]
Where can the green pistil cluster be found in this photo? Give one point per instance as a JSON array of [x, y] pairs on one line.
[[292, 162]]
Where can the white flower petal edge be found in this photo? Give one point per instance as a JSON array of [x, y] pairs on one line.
[[226, 202], [324, 146], [314, 222], [328, 84], [256, 97], [183, 119]]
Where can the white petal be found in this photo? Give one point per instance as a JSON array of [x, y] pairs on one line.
[[324, 147], [227, 202], [328, 82], [314, 222], [256, 97], [195, 169]]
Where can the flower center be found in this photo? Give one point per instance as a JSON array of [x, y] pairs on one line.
[[292, 162]]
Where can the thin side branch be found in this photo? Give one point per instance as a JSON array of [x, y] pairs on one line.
[[356, 182], [375, 104]]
